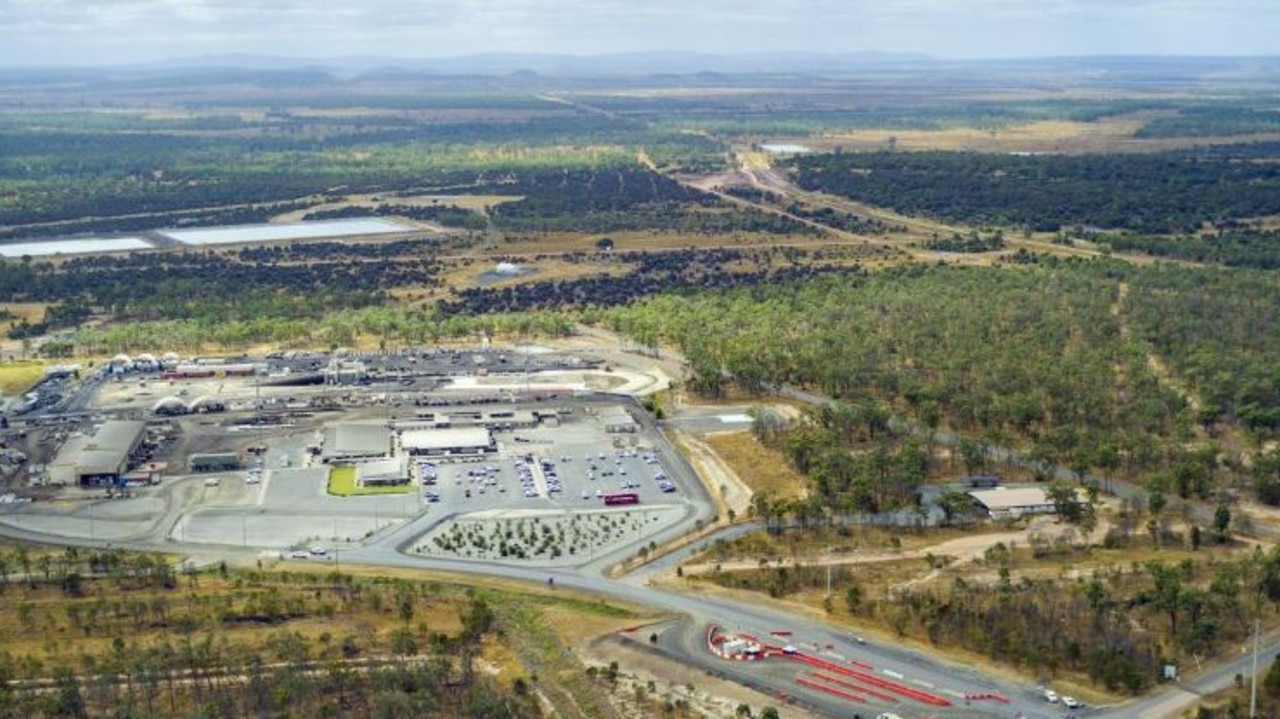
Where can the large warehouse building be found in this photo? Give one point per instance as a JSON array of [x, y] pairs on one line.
[[104, 457], [1009, 502], [353, 442], [453, 442]]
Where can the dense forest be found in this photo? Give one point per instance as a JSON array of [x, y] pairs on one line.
[[1259, 249], [648, 273], [1158, 193], [211, 286], [69, 166], [1213, 121], [1054, 356]]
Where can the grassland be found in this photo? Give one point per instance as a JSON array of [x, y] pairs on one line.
[[343, 483], [761, 468], [18, 376]]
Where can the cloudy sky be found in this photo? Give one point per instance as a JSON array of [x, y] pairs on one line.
[[86, 32]]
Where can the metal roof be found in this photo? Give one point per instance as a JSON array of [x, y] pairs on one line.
[[445, 438], [119, 435], [350, 439], [1011, 498]]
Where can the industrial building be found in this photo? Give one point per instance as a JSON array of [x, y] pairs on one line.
[[382, 472], [355, 442], [450, 442], [499, 419], [214, 462], [345, 372], [104, 457], [1010, 503]]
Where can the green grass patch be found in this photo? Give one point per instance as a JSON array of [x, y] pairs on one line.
[[17, 377], [342, 482]]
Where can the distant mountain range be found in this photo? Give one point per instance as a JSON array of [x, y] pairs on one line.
[[689, 68]]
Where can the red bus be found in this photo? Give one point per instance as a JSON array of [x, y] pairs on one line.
[[622, 498]]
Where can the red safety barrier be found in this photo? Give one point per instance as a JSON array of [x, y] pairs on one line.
[[902, 689], [862, 665], [781, 633], [831, 690], [711, 638], [896, 688], [865, 690]]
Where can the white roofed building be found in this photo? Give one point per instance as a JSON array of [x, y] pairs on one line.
[[450, 442]]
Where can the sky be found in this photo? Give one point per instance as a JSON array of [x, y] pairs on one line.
[[101, 32]]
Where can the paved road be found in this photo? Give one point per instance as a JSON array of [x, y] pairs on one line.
[[386, 549]]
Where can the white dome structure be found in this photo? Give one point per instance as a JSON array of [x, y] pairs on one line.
[[171, 405], [207, 403]]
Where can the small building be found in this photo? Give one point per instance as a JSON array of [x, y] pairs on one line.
[[345, 372], [450, 442], [214, 462], [492, 419], [382, 472], [617, 420], [1010, 503], [104, 457], [353, 442]]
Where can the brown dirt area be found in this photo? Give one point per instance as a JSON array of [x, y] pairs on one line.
[[761, 468]]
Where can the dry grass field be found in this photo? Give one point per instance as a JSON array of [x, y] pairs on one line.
[[761, 468], [18, 376], [1109, 134]]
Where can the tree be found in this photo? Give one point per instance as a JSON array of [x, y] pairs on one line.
[[1065, 501], [403, 642], [1221, 522], [1271, 682], [769, 713], [853, 598], [953, 504]]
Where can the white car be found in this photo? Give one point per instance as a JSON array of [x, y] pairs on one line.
[[1070, 703], [298, 554], [1051, 696], [318, 551]]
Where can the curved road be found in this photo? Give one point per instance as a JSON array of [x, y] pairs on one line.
[[810, 634]]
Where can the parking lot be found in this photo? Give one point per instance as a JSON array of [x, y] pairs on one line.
[[565, 478]]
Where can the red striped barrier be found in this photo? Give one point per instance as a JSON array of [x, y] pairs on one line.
[[906, 691], [862, 665], [993, 696], [830, 690], [781, 633], [896, 688], [865, 690]]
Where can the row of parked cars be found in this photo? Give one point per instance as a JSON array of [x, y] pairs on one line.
[[1054, 698]]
